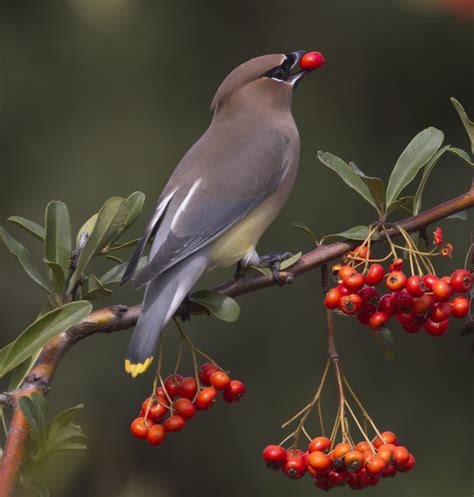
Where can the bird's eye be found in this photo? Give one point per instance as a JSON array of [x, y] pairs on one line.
[[279, 73]]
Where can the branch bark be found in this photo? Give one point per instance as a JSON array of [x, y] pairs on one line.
[[116, 318]]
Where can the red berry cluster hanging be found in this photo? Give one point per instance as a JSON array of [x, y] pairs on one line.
[[358, 466], [178, 400], [416, 301]]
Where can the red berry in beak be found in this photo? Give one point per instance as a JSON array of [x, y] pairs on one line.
[[311, 60]]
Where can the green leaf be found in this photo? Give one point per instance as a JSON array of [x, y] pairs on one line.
[[37, 334], [461, 215], [354, 233], [70, 446], [375, 185], [386, 342], [348, 175], [61, 437], [222, 306], [28, 409], [86, 230], [110, 219], [426, 173], [462, 154], [115, 274], [29, 226], [23, 256], [135, 204], [58, 244], [307, 230], [416, 155], [34, 485], [468, 124], [120, 246], [56, 276], [290, 261], [64, 418], [112, 258], [403, 203], [94, 289], [41, 409]]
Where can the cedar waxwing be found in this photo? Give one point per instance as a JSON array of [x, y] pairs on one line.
[[223, 194]]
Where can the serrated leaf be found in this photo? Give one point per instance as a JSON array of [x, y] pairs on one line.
[[468, 124], [307, 230], [23, 256], [462, 154], [424, 178], [110, 219], [386, 342], [94, 289], [86, 229], [34, 485], [403, 203], [37, 334], [29, 226], [115, 274], [58, 244], [416, 155], [375, 185], [222, 306], [347, 174]]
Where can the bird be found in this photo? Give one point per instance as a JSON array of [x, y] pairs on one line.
[[222, 195]]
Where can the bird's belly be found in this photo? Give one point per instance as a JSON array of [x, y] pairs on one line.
[[234, 244]]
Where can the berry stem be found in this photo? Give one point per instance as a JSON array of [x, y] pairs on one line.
[[364, 434], [321, 420]]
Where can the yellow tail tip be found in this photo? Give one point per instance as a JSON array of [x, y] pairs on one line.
[[136, 369]]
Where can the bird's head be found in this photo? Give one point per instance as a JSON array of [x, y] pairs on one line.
[[267, 80]]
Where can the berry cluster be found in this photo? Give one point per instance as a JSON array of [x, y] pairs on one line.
[[359, 466], [415, 301], [178, 400]]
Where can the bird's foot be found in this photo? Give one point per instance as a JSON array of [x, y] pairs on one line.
[[273, 261]]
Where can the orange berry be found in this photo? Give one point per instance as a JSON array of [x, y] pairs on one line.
[[388, 437], [219, 380], [345, 271], [156, 435], [354, 460], [375, 466], [341, 450], [400, 456], [322, 444], [319, 461]]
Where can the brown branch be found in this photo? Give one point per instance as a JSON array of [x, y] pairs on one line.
[[108, 320]]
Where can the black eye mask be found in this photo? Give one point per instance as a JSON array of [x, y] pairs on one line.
[[282, 72]]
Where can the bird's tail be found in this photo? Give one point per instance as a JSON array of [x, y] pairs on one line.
[[163, 295]]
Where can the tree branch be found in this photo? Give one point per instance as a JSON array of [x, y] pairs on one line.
[[111, 319]]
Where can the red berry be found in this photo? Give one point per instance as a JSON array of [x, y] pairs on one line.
[[206, 398], [323, 444], [188, 388], [389, 471], [386, 306], [319, 461], [360, 252], [459, 307], [396, 281], [441, 290], [388, 437], [140, 427], [436, 329], [400, 456], [370, 298], [345, 271], [354, 460], [378, 321], [423, 304], [397, 265], [409, 465], [461, 281], [340, 450], [294, 467], [402, 301], [172, 384], [354, 281], [406, 317], [350, 304], [415, 286], [363, 446], [234, 392], [219, 380], [440, 312], [337, 477], [412, 327], [274, 456], [428, 280], [206, 371], [185, 408], [364, 317], [332, 298], [156, 435], [174, 423], [385, 452], [311, 60], [375, 275], [375, 466]]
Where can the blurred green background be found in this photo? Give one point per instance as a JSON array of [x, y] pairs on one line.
[[103, 97]]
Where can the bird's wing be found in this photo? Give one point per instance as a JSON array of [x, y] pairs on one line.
[[212, 197]]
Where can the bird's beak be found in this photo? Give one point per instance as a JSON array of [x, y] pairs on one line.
[[297, 69]]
